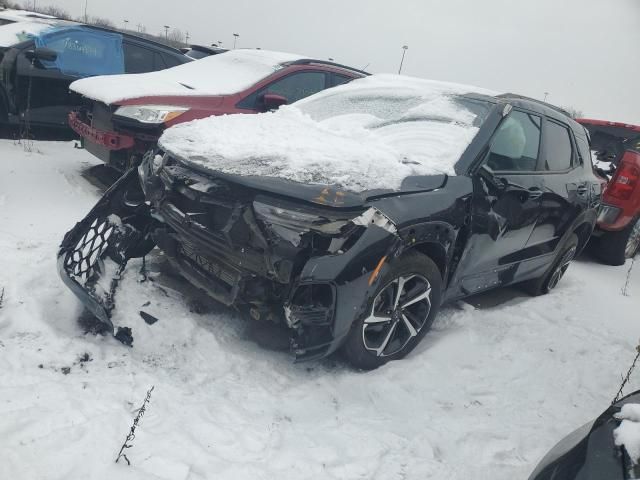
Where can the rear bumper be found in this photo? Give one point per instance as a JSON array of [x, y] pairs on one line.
[[109, 140]]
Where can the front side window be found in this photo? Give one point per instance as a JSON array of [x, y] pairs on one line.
[[83, 52], [293, 87], [340, 79], [516, 144], [298, 85], [559, 150]]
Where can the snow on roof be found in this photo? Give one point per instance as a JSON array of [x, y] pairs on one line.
[[22, 15], [369, 134], [14, 33], [223, 74]]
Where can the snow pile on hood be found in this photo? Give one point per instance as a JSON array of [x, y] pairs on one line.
[[14, 33], [223, 74], [369, 134], [628, 433]]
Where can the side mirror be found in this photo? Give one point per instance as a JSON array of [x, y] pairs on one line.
[[44, 54], [272, 101], [490, 177]]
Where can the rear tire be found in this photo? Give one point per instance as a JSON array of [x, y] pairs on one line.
[[551, 278], [614, 248], [398, 314]]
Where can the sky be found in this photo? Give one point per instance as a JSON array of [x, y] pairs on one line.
[[583, 54]]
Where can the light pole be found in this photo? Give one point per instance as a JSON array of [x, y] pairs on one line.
[[235, 40], [86, 18], [546, 94], [404, 51], [125, 24], [187, 36], [166, 32]]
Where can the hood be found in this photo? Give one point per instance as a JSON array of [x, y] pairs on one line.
[[371, 135], [224, 74], [325, 195]]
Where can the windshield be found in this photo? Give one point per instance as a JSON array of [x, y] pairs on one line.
[[395, 106]]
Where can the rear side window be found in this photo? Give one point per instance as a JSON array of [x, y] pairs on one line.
[[559, 150], [516, 143], [138, 59]]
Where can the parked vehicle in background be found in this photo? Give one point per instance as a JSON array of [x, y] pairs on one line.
[[591, 452], [617, 148], [198, 52], [8, 15], [353, 214], [124, 116], [39, 60]]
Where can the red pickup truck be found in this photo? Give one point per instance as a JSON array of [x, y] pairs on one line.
[[616, 149]]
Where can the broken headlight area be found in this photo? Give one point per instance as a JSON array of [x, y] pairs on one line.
[[331, 230], [93, 254]]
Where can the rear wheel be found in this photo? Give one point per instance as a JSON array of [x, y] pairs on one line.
[[399, 313], [614, 248], [553, 275]]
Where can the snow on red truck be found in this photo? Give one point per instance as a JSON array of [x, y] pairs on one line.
[[617, 149]]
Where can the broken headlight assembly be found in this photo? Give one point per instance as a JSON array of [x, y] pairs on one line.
[[291, 223]]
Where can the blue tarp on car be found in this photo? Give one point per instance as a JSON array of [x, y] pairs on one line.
[[83, 52]]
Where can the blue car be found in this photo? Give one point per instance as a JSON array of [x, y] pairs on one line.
[[39, 60]]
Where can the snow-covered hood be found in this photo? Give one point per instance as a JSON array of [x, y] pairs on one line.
[[371, 134], [223, 74]]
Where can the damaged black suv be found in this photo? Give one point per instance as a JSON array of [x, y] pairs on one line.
[[387, 198]]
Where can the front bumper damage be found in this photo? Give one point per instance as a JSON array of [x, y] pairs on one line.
[[94, 253], [317, 293]]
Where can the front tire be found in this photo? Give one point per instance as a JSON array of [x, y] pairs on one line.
[[614, 248], [398, 314]]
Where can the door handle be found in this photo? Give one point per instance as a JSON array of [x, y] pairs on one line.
[[535, 192], [582, 189]]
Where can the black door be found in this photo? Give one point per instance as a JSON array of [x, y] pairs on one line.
[[566, 191], [505, 205], [42, 87]]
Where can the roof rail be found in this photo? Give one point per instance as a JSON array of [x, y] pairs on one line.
[[539, 102], [308, 61]]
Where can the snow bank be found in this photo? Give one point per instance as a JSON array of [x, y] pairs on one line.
[[628, 433], [222, 74], [369, 134], [14, 33]]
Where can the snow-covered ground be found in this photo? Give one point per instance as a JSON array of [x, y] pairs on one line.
[[487, 393]]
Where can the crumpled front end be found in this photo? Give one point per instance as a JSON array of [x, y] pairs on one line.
[[94, 253], [278, 258]]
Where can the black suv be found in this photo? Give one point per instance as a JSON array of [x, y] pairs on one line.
[[365, 269], [38, 67]]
